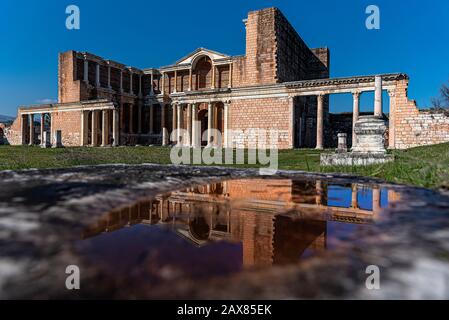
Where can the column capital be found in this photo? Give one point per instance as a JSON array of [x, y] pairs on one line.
[[391, 92], [356, 93]]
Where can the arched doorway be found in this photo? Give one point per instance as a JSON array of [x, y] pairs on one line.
[[203, 73]]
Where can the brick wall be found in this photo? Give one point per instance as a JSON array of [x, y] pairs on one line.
[[13, 134], [276, 53], [69, 88], [410, 127], [265, 113], [70, 125]]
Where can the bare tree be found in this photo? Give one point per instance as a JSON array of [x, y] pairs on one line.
[[444, 91], [441, 103]]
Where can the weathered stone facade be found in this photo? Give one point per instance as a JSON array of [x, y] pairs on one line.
[[279, 84]]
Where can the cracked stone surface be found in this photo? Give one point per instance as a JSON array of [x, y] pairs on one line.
[[43, 213]]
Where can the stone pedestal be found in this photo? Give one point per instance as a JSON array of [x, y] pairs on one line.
[[369, 146], [342, 143], [370, 133]]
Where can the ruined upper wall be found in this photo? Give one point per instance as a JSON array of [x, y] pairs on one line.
[[275, 52]]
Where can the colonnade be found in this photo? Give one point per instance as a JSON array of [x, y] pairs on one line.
[[356, 111]]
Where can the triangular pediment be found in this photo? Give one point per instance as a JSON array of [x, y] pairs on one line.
[[213, 55]]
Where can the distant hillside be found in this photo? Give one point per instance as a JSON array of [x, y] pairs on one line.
[[6, 118]]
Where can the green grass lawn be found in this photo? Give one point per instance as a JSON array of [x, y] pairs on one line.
[[423, 166]]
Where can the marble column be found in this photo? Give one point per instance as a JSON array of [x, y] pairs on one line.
[[97, 75], [151, 124], [225, 125], [210, 121], [163, 126], [23, 128], [140, 85], [179, 125], [31, 121], [319, 192], [109, 77], [378, 96], [319, 123], [354, 203], [163, 83], [230, 76], [131, 82], [121, 81], [151, 84], [196, 138], [174, 119], [175, 89], [115, 127], [42, 128], [355, 114], [86, 71], [104, 128], [190, 79], [188, 141], [213, 77], [84, 127], [376, 201], [94, 128]]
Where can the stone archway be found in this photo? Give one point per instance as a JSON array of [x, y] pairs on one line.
[[203, 73]]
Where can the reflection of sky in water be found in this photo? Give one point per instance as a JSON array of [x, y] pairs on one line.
[[339, 196], [149, 248], [146, 252]]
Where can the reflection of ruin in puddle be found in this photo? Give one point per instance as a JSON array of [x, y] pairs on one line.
[[222, 227]]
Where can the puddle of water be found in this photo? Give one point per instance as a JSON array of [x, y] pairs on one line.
[[223, 228]]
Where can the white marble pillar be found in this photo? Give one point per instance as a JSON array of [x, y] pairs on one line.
[[109, 77], [210, 121], [190, 79], [378, 96], [174, 118], [97, 75], [104, 128], [188, 141], [42, 127], [175, 89], [115, 127], [319, 122], [212, 86], [151, 84], [86, 71], [131, 82], [23, 128], [196, 138], [179, 125], [355, 114], [94, 128], [163, 126], [31, 121], [121, 81], [230, 76], [84, 128], [163, 83], [140, 85], [225, 124]]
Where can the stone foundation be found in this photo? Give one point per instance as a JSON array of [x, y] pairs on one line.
[[354, 159]]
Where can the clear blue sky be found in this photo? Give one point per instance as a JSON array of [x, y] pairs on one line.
[[414, 38]]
